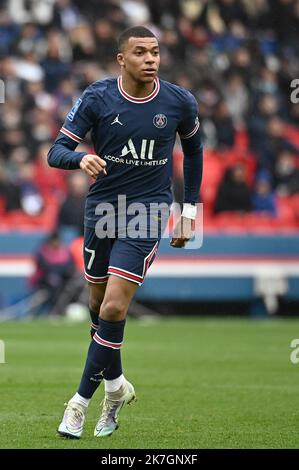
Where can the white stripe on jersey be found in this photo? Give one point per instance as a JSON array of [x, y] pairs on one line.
[[192, 133]]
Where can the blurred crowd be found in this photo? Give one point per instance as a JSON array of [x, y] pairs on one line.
[[238, 57]]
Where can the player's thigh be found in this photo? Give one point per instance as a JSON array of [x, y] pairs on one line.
[[96, 252], [96, 260], [129, 261]]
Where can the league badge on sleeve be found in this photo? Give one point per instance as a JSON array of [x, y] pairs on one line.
[[74, 109], [160, 121]]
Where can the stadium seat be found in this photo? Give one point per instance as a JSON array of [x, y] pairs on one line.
[[291, 133], [261, 223], [2, 207], [230, 222], [18, 220], [241, 140], [285, 210]]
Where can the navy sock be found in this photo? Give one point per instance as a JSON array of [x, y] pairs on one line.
[[115, 368], [103, 352], [94, 317]]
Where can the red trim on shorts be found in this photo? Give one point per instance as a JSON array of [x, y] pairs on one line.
[[125, 274], [96, 280]]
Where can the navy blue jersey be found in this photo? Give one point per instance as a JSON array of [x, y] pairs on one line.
[[135, 136]]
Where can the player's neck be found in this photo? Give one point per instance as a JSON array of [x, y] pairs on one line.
[[138, 90]]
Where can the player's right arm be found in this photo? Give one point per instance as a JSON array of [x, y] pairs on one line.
[[79, 121]]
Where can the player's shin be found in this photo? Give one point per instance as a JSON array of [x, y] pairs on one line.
[[104, 351], [114, 371], [94, 317]]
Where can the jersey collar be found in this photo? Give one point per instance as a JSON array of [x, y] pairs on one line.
[[133, 99]]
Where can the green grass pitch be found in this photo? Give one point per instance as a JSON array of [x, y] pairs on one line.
[[201, 383]]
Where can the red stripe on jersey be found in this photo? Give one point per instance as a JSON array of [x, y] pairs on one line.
[[70, 134]]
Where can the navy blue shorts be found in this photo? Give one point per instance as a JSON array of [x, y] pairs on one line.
[[124, 257]]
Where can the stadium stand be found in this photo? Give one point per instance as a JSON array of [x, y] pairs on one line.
[[237, 57]]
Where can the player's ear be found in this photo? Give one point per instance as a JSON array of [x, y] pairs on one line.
[[120, 59]]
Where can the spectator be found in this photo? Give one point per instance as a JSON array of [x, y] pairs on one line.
[[105, 40], [224, 127], [9, 192], [234, 194], [31, 200], [267, 107], [263, 198], [54, 267], [286, 174], [83, 43], [66, 15], [56, 63], [71, 213], [237, 57], [273, 142], [236, 97]]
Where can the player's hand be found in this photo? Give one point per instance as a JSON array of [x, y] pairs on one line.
[[93, 165], [182, 232]]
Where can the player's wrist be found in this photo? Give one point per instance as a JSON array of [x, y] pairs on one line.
[[189, 211], [80, 158]]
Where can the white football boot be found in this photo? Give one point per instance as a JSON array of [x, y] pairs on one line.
[[112, 404], [73, 420]]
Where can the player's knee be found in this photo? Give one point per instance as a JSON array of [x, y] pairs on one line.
[[112, 310]]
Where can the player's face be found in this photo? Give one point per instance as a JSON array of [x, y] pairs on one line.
[[140, 59]]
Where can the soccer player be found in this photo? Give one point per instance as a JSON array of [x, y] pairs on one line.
[[133, 121]]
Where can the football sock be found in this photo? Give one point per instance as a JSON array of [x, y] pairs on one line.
[[94, 316], [114, 385], [103, 352], [81, 400], [115, 368]]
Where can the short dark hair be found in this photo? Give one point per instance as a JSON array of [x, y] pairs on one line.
[[134, 32]]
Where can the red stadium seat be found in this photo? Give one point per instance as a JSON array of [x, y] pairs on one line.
[[261, 223], [18, 220], [285, 209], [212, 175], [291, 133], [2, 207], [294, 201], [230, 222], [241, 140]]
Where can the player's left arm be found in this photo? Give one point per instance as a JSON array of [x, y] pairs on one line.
[[193, 160]]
